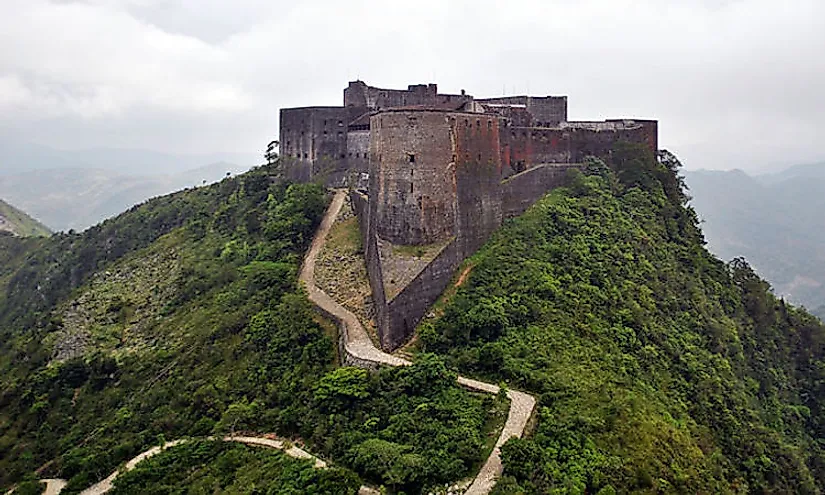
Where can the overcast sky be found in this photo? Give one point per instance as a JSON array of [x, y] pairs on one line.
[[734, 83]]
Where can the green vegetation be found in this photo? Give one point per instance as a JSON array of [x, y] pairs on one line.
[[183, 317], [18, 223], [225, 467], [658, 367], [770, 220]]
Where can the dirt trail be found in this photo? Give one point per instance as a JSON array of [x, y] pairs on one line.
[[358, 344]]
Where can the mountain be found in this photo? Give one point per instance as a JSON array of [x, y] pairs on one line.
[[17, 157], [18, 223], [810, 170], [774, 221], [77, 198], [183, 318], [659, 368]]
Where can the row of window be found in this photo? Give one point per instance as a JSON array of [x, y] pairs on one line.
[[306, 156]]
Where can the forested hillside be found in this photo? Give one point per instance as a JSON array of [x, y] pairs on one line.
[[183, 317], [660, 369]]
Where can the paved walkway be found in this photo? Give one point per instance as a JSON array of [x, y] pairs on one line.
[[358, 345]]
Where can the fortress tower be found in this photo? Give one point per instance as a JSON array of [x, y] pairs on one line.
[[434, 174]]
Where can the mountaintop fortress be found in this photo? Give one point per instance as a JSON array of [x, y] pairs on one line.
[[433, 175]]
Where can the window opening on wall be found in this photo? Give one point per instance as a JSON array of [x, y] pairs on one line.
[[411, 157]]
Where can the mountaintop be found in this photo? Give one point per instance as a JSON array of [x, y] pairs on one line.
[[656, 367]]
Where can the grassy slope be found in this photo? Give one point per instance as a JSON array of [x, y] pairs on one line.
[[21, 224], [183, 317], [658, 367]]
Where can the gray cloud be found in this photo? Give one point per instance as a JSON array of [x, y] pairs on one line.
[[734, 83]]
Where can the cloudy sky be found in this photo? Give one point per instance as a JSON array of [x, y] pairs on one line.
[[734, 83]]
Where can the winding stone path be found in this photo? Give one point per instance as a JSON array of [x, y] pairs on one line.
[[360, 349], [56, 485]]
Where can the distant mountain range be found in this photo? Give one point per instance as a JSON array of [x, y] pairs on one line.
[[75, 189], [18, 157], [77, 198], [775, 221], [18, 223]]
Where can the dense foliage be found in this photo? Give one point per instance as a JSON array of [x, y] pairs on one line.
[[183, 317], [658, 367], [213, 466]]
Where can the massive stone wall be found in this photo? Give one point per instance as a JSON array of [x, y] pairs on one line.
[[411, 180], [545, 110], [358, 148], [570, 142], [314, 132], [477, 178], [405, 310], [520, 191], [359, 94], [364, 211]]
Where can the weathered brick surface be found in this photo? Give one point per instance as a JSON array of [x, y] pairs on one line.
[[413, 179], [358, 94], [543, 110]]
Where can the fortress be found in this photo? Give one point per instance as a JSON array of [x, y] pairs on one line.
[[434, 175]]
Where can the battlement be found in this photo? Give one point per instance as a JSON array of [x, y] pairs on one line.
[[359, 94]]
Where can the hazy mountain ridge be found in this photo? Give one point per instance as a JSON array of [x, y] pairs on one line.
[[775, 221], [19, 223], [77, 198], [18, 157]]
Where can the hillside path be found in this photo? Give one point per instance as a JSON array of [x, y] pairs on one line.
[[358, 345], [55, 486]]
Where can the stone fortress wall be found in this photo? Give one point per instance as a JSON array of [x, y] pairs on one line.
[[433, 169]]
